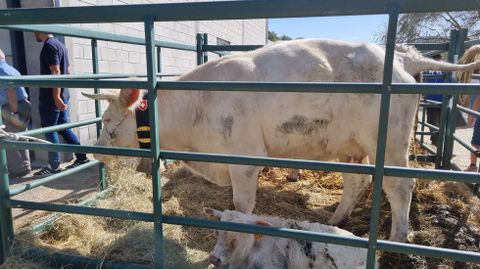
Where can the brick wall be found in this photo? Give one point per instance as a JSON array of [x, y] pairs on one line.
[[127, 58]]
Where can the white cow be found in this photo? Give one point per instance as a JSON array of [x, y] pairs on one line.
[[247, 251], [318, 126]]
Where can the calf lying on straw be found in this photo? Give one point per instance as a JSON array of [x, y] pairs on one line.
[[247, 251]]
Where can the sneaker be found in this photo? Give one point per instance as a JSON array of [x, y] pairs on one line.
[[20, 174], [47, 170], [77, 163], [471, 168]]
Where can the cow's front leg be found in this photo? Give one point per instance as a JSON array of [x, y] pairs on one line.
[[399, 194], [244, 185]]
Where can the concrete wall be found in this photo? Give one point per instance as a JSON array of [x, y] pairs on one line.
[[5, 43]]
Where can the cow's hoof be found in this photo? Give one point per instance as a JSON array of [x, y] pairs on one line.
[[292, 179]]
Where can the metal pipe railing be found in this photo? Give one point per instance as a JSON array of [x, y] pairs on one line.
[[60, 127], [221, 10], [42, 181]]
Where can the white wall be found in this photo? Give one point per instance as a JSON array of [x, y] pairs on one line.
[[5, 44], [125, 58]]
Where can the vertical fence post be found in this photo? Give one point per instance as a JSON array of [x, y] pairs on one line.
[[456, 50], [445, 111], [154, 139], [205, 42], [6, 221], [98, 111], [422, 128], [382, 135], [199, 49], [159, 59]]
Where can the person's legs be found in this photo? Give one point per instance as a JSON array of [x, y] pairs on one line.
[[433, 117], [69, 135], [18, 161], [475, 143], [49, 117]]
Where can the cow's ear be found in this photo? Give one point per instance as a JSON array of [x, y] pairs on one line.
[[128, 97], [213, 213], [261, 223]]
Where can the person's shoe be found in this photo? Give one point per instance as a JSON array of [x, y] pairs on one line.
[[20, 174], [471, 168], [77, 163], [47, 170]]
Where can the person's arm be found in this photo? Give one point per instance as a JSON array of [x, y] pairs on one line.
[[12, 99], [55, 70]]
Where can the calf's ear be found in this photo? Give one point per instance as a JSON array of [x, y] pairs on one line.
[[128, 97], [213, 213], [261, 223]]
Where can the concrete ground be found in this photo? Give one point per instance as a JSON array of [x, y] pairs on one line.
[[462, 155], [68, 190]]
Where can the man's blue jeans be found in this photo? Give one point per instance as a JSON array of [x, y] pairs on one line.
[[50, 116]]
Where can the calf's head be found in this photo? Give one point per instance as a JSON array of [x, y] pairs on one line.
[[232, 248], [119, 123]]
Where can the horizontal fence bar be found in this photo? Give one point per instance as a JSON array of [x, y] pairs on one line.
[[83, 210], [131, 152], [442, 175], [267, 161], [270, 231], [430, 46], [73, 31], [271, 86], [431, 126], [466, 145], [42, 181], [99, 75], [435, 88], [468, 111], [9, 81], [214, 48], [224, 10], [59, 127], [397, 88], [470, 43], [434, 252]]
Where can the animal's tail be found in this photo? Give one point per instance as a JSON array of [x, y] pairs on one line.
[[472, 55]]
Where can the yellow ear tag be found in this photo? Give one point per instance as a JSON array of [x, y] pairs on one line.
[[258, 237]]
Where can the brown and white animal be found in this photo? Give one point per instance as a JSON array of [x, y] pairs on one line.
[[318, 126], [235, 250]]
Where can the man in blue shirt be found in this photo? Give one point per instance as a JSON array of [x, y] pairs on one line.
[[53, 102], [16, 112]]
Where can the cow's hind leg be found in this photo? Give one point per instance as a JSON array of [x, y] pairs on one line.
[[353, 187], [399, 194], [244, 185]]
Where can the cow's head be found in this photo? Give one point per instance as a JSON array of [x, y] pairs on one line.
[[232, 247], [119, 124]]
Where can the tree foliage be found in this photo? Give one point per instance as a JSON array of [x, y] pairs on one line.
[[434, 27], [272, 36]]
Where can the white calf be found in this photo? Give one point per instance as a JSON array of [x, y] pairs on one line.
[[247, 251]]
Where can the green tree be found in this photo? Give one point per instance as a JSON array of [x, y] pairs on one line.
[[272, 36], [434, 27]]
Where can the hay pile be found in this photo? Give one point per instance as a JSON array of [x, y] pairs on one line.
[[443, 214]]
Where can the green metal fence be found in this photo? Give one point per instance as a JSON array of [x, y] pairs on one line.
[[248, 9]]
